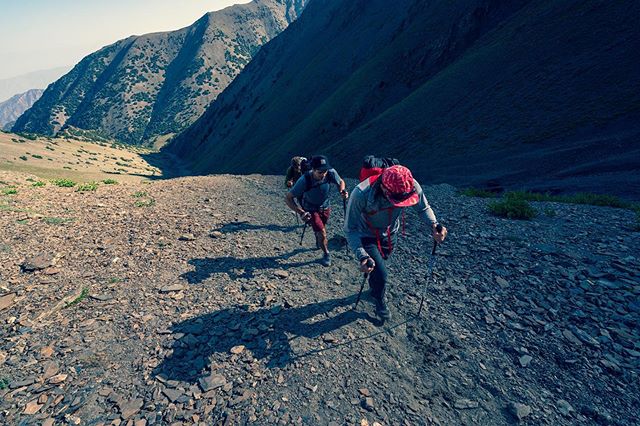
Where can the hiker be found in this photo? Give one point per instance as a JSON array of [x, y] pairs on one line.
[[309, 197], [372, 223], [294, 171]]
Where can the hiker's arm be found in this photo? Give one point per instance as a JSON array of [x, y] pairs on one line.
[[342, 186], [355, 206], [427, 214], [291, 203], [288, 180], [293, 194], [423, 208]]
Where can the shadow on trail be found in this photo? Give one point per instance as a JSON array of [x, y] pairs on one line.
[[240, 268], [248, 226], [264, 332]]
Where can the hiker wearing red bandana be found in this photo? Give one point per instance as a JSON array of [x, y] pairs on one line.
[[373, 220]]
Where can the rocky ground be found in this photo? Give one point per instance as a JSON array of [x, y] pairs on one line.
[[190, 301]]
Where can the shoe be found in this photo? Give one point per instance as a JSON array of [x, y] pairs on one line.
[[382, 310], [326, 260]]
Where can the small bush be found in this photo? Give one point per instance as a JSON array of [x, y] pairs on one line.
[[90, 186], [56, 220], [139, 194], [475, 192], [38, 183], [110, 182], [83, 295], [64, 183], [9, 191], [37, 156], [512, 207], [24, 158], [145, 203]]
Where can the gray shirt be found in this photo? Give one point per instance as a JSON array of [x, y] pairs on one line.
[[315, 195], [368, 214]]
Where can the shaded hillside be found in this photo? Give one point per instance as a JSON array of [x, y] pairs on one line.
[[470, 92], [144, 87], [13, 107]]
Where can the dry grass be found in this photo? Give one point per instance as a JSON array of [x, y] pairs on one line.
[[80, 161]]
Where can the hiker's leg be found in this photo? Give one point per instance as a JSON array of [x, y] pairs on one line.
[[318, 223], [377, 277], [321, 238]]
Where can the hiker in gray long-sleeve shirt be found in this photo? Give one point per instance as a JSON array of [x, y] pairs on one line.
[[372, 222]]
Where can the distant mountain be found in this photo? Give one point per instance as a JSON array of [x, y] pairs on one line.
[[12, 108], [525, 93], [147, 87], [33, 80]]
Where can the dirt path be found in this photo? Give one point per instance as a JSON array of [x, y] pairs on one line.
[[190, 301]]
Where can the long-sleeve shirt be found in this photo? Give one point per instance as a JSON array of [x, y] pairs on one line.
[[371, 216]]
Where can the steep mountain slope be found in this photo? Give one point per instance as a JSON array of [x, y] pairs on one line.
[[466, 92], [148, 86], [13, 107], [33, 80]]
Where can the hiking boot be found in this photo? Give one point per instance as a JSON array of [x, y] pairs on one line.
[[382, 310], [326, 260]]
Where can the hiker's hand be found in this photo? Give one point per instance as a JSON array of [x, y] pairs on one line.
[[439, 236], [366, 265], [289, 183], [305, 216], [344, 193]]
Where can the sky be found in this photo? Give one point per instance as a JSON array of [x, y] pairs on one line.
[[42, 34]]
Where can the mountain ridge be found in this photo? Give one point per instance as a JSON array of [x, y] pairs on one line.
[[13, 107], [148, 87]]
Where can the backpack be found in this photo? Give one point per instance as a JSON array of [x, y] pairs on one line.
[[373, 166], [305, 165]]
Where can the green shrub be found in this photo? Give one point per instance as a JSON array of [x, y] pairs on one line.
[[512, 207], [37, 156], [38, 183], [56, 220], [110, 182], [145, 203], [89, 186], [9, 191], [24, 157], [83, 295], [139, 194], [475, 192], [64, 183]]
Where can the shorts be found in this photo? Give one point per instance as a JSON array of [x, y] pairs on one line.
[[319, 219]]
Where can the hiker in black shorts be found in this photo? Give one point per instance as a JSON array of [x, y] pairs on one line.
[[372, 222], [313, 190]]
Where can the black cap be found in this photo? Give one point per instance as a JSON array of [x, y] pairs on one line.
[[320, 162]]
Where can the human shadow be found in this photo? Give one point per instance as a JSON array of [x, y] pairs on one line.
[[248, 226], [265, 333], [240, 268]]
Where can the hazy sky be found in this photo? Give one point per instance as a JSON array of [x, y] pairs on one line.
[[41, 34]]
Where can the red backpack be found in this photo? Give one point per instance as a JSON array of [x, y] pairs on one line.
[[373, 166]]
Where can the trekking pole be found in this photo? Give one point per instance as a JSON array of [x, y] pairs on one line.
[[432, 262], [344, 208], [303, 231], [364, 280]]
